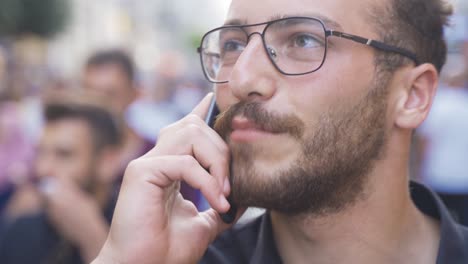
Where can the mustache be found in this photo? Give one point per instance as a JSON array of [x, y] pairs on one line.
[[265, 120]]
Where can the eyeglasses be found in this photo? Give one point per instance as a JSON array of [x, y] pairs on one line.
[[295, 46]]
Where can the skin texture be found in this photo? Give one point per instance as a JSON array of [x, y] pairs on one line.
[[332, 161], [153, 224]]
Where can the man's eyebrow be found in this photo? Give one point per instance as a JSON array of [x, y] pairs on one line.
[[329, 23]]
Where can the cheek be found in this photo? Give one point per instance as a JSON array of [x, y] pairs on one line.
[[75, 169], [85, 172], [326, 91], [309, 97], [224, 97]]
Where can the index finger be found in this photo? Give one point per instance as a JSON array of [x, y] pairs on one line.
[[201, 110]]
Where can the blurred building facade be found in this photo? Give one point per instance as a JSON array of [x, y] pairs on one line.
[[146, 28]]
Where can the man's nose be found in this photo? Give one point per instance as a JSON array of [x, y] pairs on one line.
[[253, 76]]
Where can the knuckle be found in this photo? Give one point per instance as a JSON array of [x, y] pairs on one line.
[[132, 167], [166, 129], [225, 152], [163, 131], [135, 169], [193, 119], [193, 130], [131, 171], [188, 161]]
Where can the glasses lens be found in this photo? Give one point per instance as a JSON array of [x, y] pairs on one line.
[[296, 45], [220, 50]]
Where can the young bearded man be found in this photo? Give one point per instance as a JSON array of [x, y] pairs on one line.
[[316, 127]]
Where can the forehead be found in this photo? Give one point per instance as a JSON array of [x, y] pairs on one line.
[[72, 133], [108, 72], [351, 16]]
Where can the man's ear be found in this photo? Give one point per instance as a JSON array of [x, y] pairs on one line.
[[108, 164], [416, 99]]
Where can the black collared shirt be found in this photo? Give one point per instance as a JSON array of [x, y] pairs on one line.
[[253, 243]]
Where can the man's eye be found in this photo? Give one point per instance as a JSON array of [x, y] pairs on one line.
[[233, 45], [305, 41]]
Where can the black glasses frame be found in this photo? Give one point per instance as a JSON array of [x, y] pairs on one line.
[[327, 32]]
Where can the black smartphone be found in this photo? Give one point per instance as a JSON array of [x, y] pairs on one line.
[[210, 119]]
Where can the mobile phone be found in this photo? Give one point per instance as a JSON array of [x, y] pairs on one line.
[[210, 119]]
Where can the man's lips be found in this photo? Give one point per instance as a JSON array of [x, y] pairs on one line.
[[242, 123], [244, 129]]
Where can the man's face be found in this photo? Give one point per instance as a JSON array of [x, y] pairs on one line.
[[110, 81], [303, 143], [66, 151]]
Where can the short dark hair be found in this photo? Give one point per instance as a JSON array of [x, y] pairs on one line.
[[105, 129], [416, 25], [116, 57]]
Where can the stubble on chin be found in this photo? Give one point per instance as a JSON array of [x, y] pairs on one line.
[[330, 173]]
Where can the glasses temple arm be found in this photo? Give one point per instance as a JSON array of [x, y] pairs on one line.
[[375, 44]]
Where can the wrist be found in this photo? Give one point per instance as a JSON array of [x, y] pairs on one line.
[[91, 242], [103, 259], [107, 256]]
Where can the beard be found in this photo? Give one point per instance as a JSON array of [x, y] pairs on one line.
[[332, 169]]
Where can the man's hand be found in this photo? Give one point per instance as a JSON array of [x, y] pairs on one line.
[[152, 222], [75, 215]]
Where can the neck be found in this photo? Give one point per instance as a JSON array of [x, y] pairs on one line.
[[383, 227]]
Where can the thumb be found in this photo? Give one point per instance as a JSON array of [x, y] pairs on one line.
[[201, 110]]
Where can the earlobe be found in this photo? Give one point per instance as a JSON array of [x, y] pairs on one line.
[[421, 86]]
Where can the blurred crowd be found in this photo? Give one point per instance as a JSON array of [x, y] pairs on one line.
[[65, 144]]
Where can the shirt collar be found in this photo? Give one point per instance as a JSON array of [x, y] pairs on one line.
[[452, 246]]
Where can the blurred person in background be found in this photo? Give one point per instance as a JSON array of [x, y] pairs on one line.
[[443, 139], [188, 93], [64, 217], [172, 95], [112, 73], [157, 104]]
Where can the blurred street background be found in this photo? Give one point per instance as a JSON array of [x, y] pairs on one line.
[[44, 45]]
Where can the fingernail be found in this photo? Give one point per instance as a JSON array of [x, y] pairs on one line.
[[226, 187]]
